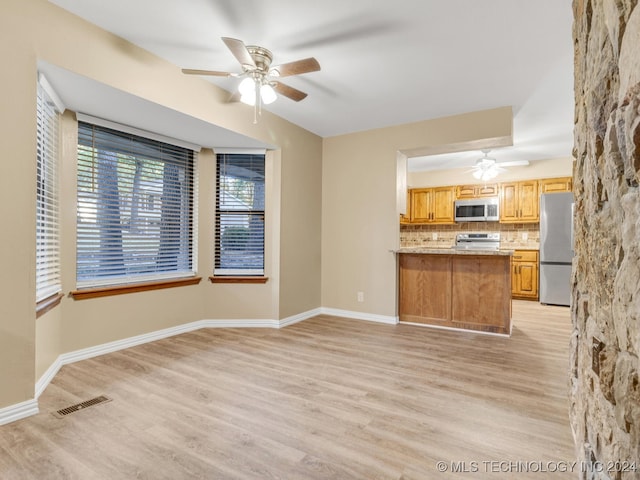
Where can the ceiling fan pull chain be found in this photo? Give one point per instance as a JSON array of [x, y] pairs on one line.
[[255, 104]]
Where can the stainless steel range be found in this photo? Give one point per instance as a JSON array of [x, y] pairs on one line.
[[478, 241]]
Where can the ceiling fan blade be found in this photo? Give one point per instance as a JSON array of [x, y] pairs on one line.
[[289, 92], [191, 71], [239, 50], [515, 163], [298, 67]]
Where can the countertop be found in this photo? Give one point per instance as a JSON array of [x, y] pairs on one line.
[[452, 251]]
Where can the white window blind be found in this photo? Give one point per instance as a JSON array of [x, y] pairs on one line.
[[136, 213], [47, 206], [240, 200]]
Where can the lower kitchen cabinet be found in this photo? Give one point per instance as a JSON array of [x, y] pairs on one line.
[[524, 274], [451, 290]]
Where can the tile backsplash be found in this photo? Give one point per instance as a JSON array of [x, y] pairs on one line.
[[525, 236]]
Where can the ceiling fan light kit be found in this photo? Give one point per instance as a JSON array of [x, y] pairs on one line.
[[251, 89], [486, 173], [259, 86], [487, 168]]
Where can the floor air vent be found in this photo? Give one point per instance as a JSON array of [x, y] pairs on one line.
[[81, 406]]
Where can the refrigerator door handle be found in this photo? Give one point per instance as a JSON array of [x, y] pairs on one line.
[[573, 207]]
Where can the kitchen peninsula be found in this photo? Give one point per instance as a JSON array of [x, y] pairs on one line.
[[462, 289]]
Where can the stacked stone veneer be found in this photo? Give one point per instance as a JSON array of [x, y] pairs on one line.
[[605, 382]]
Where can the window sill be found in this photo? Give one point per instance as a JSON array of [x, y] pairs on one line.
[[237, 279], [138, 287], [43, 306]]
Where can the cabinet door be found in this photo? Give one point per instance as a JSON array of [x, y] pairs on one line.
[[529, 201], [465, 191], [406, 218], [443, 205], [524, 274], [477, 191], [555, 185], [509, 202], [421, 205], [487, 190], [515, 279], [528, 273]]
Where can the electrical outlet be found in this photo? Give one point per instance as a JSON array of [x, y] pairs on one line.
[[361, 296], [434, 236], [525, 236]]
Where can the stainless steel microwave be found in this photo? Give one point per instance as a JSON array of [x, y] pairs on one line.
[[477, 210]]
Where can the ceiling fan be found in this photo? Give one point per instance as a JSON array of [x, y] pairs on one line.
[[487, 168], [261, 79]]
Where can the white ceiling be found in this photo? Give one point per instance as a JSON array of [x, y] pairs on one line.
[[383, 62]]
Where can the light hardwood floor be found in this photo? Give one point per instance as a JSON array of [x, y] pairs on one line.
[[327, 398]]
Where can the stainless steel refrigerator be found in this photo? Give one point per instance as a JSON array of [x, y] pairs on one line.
[[556, 247]]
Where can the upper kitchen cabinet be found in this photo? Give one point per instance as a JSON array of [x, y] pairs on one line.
[[519, 202], [406, 217], [477, 191], [432, 205], [555, 185]]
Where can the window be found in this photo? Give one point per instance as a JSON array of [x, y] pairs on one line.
[[135, 217], [240, 197], [47, 209]]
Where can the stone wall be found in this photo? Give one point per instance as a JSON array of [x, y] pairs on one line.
[[605, 383]]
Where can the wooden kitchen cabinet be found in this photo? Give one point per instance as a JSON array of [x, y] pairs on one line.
[[524, 274], [432, 205], [477, 191], [406, 218], [519, 202], [425, 288], [555, 185], [451, 290]]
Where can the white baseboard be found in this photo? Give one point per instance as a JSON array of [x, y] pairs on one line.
[[46, 378], [370, 317], [18, 411], [85, 353], [285, 322], [454, 329], [110, 347], [30, 407]]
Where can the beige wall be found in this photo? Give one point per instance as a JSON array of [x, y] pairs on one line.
[[359, 219], [37, 30], [331, 204], [547, 168]]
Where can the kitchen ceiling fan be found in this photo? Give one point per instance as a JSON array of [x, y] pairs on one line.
[[487, 168], [260, 82]]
